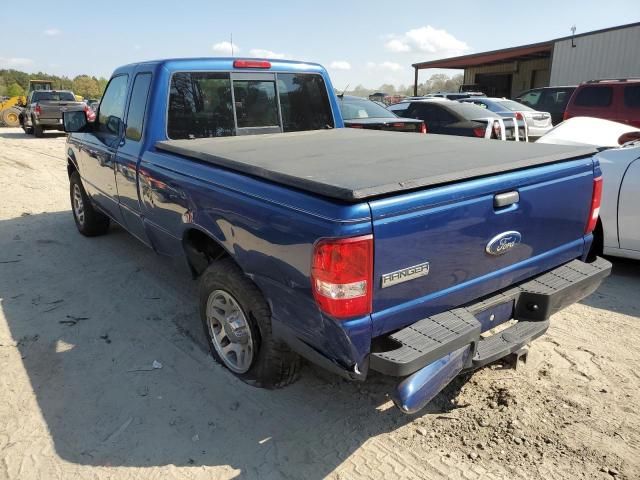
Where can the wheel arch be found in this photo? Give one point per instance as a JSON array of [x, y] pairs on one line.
[[201, 249]]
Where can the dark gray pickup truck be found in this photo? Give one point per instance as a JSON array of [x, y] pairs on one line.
[[44, 110]]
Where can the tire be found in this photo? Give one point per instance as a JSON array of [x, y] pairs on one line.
[[89, 221], [38, 130], [271, 364], [11, 117], [27, 130]]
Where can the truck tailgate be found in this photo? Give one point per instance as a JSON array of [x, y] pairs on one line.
[[52, 109], [451, 227]]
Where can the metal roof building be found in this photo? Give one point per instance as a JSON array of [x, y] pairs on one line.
[[609, 53]]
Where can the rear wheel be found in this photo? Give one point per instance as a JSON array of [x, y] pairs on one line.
[[38, 130], [89, 221], [11, 117], [237, 324]]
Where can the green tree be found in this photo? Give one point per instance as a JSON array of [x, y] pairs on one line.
[[15, 90], [86, 86]]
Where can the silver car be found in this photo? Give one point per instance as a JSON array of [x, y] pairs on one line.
[[538, 123]]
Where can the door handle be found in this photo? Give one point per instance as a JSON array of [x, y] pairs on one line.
[[502, 200]]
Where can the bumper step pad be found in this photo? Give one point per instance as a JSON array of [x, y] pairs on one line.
[[428, 340]]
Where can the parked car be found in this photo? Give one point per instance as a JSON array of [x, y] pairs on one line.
[[547, 99], [618, 230], [356, 249], [44, 110], [538, 123], [616, 100], [454, 95], [454, 118], [359, 112]]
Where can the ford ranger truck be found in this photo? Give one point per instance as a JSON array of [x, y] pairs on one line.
[[357, 250]]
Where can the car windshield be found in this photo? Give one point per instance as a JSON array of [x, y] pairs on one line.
[[354, 108], [53, 96], [470, 111], [515, 106]]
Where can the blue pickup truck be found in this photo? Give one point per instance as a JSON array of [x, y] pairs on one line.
[[357, 250]]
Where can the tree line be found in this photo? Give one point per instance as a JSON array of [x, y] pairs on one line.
[[439, 82], [15, 83]]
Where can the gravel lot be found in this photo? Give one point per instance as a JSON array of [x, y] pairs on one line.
[[82, 321]]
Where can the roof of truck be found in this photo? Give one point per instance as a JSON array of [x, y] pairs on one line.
[[351, 165]]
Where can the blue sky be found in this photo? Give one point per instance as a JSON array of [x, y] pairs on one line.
[[367, 43]]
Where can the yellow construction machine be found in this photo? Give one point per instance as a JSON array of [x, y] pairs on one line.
[[11, 108]]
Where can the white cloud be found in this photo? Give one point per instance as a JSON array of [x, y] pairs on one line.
[[15, 62], [340, 65], [52, 32], [426, 40], [396, 45], [261, 53], [390, 66], [225, 48]]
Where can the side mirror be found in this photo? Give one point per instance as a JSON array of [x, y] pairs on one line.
[[75, 121], [113, 124]]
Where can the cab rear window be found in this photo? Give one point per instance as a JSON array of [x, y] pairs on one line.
[[201, 104], [40, 96]]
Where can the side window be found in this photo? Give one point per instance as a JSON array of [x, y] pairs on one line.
[[137, 106], [425, 112], [443, 116], [304, 102], [531, 98], [112, 105], [200, 105], [632, 96], [594, 97]]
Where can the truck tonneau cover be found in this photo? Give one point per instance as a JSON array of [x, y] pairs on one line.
[[351, 165]]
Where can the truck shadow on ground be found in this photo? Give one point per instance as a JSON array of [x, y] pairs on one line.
[[89, 317], [619, 292], [23, 136]]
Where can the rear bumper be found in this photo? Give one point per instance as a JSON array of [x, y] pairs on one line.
[[434, 350]]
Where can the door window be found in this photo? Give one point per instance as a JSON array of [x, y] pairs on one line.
[[137, 106], [112, 105]]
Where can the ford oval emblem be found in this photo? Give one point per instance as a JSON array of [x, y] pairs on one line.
[[503, 242]]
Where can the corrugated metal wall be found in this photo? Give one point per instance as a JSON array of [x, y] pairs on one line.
[[522, 72], [612, 54]]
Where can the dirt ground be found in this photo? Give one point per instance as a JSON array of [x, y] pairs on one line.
[[82, 321]]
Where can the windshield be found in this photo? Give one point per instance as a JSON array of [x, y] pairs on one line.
[[354, 108], [53, 96], [470, 111], [515, 106]]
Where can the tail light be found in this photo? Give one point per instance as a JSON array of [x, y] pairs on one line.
[[251, 64], [397, 125], [342, 276], [565, 115], [596, 200], [423, 127], [91, 115], [519, 116], [479, 132], [355, 125], [496, 130], [37, 110]]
